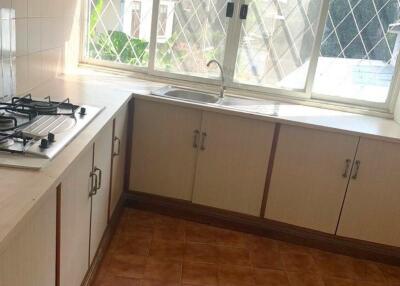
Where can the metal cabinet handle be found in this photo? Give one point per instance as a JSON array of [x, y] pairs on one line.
[[356, 169], [196, 139], [100, 177], [203, 141], [116, 139], [347, 168], [243, 11], [230, 7], [93, 189]]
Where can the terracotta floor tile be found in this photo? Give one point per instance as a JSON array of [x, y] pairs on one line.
[[196, 232], [201, 252], [111, 280], [304, 279], [167, 249], [130, 244], [290, 247], [368, 271], [392, 273], [229, 275], [164, 271], [169, 232], [298, 262], [266, 259], [129, 266], [200, 274], [259, 243], [233, 256], [331, 281], [230, 238], [149, 282], [268, 277], [333, 265]]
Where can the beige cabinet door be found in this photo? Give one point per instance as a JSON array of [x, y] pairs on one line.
[[102, 168], [119, 157], [307, 186], [232, 163], [75, 220], [163, 156], [30, 257], [372, 205]]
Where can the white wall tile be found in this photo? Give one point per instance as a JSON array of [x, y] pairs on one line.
[[34, 7], [21, 75], [20, 7], [21, 37], [35, 70], [34, 35]]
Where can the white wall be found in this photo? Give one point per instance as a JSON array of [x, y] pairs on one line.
[[44, 40]]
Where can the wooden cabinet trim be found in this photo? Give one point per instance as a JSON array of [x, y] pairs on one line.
[[270, 168]]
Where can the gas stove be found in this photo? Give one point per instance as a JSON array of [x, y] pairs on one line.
[[32, 132]]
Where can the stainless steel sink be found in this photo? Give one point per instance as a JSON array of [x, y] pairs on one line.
[[187, 94]]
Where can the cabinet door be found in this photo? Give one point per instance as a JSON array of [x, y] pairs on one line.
[[102, 167], [307, 185], [119, 154], [232, 165], [372, 204], [75, 220], [30, 258], [163, 156]]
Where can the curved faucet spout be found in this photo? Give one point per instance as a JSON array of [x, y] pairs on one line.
[[223, 87]]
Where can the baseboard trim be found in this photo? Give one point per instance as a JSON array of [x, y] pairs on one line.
[[104, 244], [264, 227]]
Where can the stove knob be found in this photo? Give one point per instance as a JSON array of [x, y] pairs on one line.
[[44, 143], [51, 137], [82, 111]]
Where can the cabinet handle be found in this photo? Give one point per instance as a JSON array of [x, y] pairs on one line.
[[347, 168], [196, 138], [100, 177], [357, 168], [116, 139], [203, 141], [93, 190]]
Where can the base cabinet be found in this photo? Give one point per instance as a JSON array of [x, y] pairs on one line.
[[232, 163], [120, 141], [29, 259], [163, 152], [372, 205], [75, 220], [84, 208], [308, 183]]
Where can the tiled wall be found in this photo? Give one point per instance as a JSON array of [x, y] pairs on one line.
[[39, 40]]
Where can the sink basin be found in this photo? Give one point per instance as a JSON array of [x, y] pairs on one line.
[[187, 94]]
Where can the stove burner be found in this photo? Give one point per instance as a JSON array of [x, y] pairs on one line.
[[6, 122], [45, 107], [7, 142]]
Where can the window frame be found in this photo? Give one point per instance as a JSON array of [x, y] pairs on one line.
[[304, 96]]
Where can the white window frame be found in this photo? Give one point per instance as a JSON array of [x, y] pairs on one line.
[[305, 95]]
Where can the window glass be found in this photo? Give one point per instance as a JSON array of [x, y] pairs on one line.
[[276, 42], [190, 33], [359, 49], [119, 31]]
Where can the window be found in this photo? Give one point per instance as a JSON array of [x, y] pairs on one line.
[[198, 34], [135, 22], [359, 50], [334, 50], [118, 31]]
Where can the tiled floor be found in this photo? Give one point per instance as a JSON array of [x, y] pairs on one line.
[[153, 250]]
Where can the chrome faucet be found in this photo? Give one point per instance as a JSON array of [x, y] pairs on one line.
[[223, 87]]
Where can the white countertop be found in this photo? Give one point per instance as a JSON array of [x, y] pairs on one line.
[[21, 189]]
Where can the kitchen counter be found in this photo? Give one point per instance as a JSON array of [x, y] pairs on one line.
[[22, 189]]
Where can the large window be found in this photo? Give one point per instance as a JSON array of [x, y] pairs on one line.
[[335, 50]]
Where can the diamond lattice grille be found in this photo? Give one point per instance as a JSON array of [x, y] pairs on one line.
[[276, 42], [191, 33], [119, 31]]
